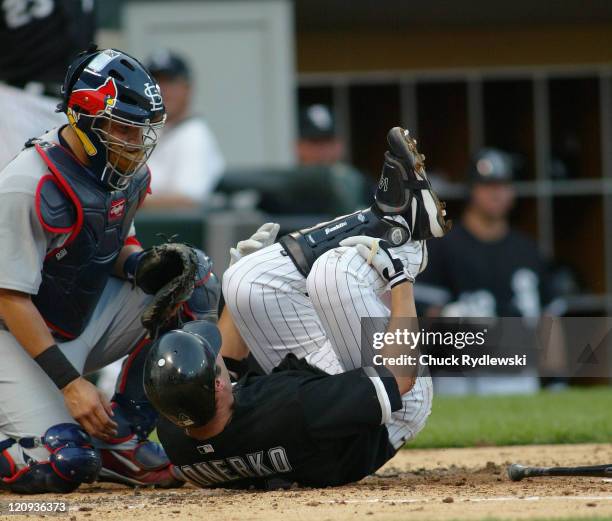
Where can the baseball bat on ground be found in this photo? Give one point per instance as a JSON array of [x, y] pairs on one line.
[[517, 472]]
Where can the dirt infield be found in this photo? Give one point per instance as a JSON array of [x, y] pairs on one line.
[[421, 484]]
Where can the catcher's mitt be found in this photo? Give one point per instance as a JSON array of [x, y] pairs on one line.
[[168, 272]]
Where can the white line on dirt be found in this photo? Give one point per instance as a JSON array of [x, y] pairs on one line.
[[472, 499]]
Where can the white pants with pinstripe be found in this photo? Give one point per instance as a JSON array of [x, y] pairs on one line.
[[278, 312]]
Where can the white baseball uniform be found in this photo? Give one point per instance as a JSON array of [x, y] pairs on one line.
[[187, 161], [278, 312]]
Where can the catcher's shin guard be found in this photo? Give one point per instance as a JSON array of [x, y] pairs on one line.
[[133, 413], [144, 464], [405, 190], [130, 458], [72, 461]]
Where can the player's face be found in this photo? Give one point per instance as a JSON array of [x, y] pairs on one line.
[[127, 144], [493, 200], [223, 372], [320, 151], [223, 384]]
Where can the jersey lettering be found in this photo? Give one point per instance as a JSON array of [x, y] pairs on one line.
[[204, 469], [208, 473], [194, 476], [256, 462], [279, 459], [241, 467], [18, 13], [221, 466]]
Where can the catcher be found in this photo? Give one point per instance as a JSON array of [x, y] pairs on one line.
[[320, 417], [74, 283]]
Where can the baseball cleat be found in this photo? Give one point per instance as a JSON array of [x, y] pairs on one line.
[[404, 188], [145, 465]]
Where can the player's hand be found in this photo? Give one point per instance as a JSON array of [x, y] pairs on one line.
[[262, 238], [88, 405], [378, 254], [413, 255]]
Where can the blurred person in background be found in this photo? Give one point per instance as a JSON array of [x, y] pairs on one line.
[[187, 164], [320, 146], [318, 143], [485, 268], [37, 42]]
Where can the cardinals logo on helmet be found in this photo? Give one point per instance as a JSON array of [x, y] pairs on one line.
[[152, 92], [91, 101], [94, 101]]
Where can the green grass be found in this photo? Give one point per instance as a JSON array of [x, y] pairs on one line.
[[586, 518], [572, 416]]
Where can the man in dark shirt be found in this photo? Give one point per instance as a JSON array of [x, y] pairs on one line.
[[351, 401], [38, 40], [484, 268]]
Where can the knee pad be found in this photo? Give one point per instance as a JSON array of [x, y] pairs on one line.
[[72, 461], [134, 415], [135, 418]]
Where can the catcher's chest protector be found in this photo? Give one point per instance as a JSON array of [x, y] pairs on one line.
[[70, 201], [305, 246]]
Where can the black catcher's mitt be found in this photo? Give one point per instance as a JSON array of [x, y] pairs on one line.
[[168, 272]]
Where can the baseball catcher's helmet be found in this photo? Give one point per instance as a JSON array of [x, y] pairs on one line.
[[116, 110], [491, 165], [180, 372]]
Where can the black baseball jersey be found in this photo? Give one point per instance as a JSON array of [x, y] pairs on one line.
[[40, 37], [293, 425], [505, 278]]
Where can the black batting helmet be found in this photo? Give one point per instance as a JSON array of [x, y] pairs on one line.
[[180, 372]]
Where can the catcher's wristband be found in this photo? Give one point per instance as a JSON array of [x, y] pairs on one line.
[[131, 264], [53, 362]]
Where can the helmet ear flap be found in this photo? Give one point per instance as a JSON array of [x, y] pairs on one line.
[[75, 122]]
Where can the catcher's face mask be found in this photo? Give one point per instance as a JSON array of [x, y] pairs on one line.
[[116, 109], [128, 146]]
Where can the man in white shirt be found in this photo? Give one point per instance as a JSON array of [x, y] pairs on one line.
[[187, 164]]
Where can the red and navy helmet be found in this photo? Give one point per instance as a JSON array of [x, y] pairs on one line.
[[116, 110]]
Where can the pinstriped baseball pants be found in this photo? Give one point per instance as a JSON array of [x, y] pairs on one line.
[[278, 312]]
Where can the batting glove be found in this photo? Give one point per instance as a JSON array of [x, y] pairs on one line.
[[377, 253], [262, 238], [413, 254], [414, 257]]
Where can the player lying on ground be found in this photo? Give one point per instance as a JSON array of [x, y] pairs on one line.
[[67, 306], [320, 420]]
